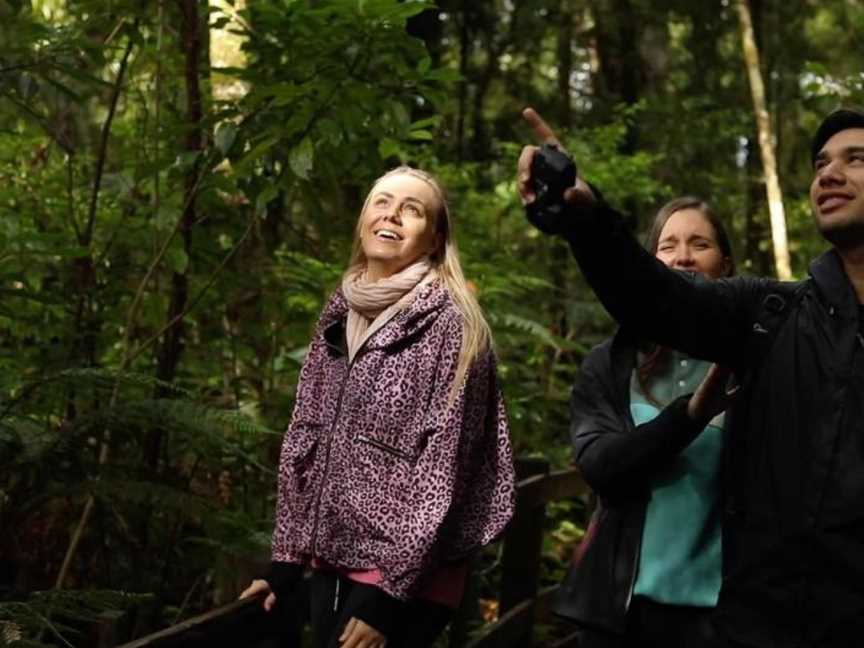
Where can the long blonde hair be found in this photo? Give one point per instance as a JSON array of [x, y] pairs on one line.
[[476, 335]]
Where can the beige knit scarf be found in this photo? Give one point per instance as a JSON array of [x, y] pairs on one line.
[[372, 304]]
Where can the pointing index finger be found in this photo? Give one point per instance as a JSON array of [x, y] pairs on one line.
[[541, 129]]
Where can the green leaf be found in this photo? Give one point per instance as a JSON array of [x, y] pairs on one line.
[[388, 148], [264, 198], [433, 121], [301, 158], [257, 151], [186, 160], [401, 116], [420, 135], [28, 87], [177, 259], [226, 134]]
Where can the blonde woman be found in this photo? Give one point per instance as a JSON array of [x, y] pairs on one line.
[[397, 462]]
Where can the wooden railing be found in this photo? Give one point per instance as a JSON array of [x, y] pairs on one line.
[[522, 604]]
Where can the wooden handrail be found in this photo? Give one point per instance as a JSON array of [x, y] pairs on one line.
[[244, 623], [240, 623]]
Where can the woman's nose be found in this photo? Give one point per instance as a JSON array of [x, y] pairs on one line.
[[683, 258], [392, 214]]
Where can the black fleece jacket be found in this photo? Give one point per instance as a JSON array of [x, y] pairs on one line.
[[793, 527]]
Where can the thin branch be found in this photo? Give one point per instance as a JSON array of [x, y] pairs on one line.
[[24, 66], [157, 196], [157, 260], [194, 302], [128, 356], [39, 119], [70, 192], [113, 236], [103, 144], [114, 32]]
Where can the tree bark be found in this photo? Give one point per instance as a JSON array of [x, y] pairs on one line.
[[171, 349], [619, 32], [564, 47], [766, 144], [464, 54]]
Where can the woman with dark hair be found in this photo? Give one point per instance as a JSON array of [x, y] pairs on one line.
[[397, 463], [647, 432]]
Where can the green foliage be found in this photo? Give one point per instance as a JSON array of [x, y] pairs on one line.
[[113, 221], [59, 618]]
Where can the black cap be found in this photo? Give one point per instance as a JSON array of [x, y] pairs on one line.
[[839, 120]]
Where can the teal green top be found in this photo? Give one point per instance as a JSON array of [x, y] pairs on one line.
[[679, 562]]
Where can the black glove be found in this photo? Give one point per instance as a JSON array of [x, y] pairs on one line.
[[552, 173]]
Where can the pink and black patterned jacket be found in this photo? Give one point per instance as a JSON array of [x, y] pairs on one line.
[[379, 467]]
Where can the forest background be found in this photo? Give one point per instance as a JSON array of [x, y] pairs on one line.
[[179, 181]]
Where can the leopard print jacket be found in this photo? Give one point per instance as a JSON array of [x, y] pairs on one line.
[[380, 467]]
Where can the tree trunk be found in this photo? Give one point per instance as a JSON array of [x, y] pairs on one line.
[[619, 33], [766, 144], [464, 53], [171, 349], [564, 47]]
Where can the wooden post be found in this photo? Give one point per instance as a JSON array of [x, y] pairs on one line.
[[523, 542], [112, 628], [468, 611]]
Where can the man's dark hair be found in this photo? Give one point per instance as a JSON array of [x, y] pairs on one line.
[[839, 120]]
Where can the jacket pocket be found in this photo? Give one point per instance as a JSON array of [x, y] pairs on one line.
[[381, 471], [375, 443], [298, 454]]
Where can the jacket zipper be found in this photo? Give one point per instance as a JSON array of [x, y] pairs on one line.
[[329, 446], [357, 355], [384, 447], [327, 461], [628, 416]]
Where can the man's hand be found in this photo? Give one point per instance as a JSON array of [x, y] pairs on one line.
[[259, 586], [712, 395], [580, 194], [361, 635]]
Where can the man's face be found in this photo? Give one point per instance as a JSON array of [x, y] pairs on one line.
[[837, 190]]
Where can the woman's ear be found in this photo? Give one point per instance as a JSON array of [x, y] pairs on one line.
[[727, 266]]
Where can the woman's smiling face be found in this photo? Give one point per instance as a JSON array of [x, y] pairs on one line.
[[397, 226]]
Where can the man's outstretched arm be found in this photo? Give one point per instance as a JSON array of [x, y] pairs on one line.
[[707, 319]]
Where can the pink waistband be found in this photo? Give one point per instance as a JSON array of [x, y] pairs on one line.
[[445, 585]]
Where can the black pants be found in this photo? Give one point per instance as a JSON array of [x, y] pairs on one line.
[[657, 625], [668, 626], [418, 625]]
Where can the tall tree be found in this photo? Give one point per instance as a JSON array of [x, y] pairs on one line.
[[766, 143]]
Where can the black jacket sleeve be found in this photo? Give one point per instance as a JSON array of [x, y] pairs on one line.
[[283, 578], [376, 608], [706, 319], [616, 459]]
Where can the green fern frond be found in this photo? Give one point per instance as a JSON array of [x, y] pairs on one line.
[[531, 327]]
